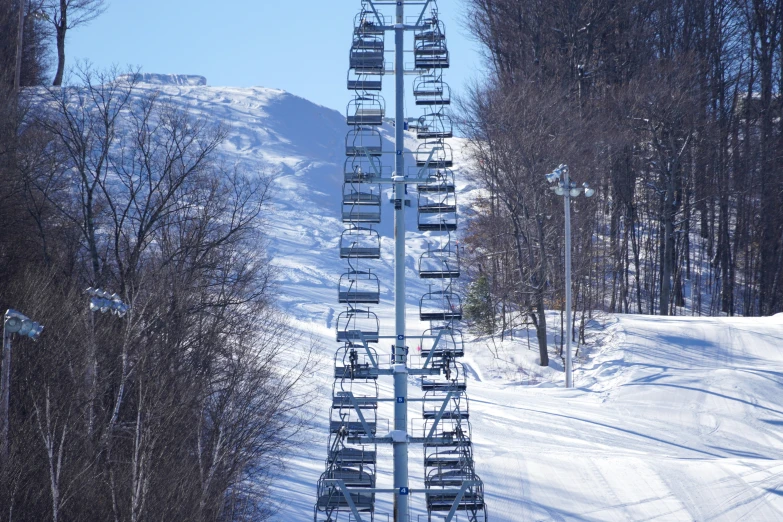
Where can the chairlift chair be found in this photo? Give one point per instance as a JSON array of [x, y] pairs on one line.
[[434, 30], [360, 243], [440, 222], [441, 263], [365, 23], [450, 343], [437, 203], [366, 56], [363, 141], [435, 125], [354, 321], [430, 89], [434, 154], [361, 169], [456, 409], [440, 305], [361, 203], [366, 109], [439, 180], [431, 54], [361, 82], [359, 286]]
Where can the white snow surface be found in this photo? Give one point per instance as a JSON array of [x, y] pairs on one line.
[[672, 418]]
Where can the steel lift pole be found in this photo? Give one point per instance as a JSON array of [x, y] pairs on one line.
[[400, 436]]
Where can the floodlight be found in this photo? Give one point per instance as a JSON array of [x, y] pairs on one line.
[[103, 301], [574, 192], [26, 326], [15, 322], [589, 192], [35, 331], [12, 324], [559, 190]]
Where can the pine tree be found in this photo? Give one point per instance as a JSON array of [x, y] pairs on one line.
[[478, 306]]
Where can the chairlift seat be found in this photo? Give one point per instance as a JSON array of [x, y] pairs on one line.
[[343, 402], [352, 427], [365, 85], [439, 226], [352, 477], [363, 372], [433, 385], [335, 499]]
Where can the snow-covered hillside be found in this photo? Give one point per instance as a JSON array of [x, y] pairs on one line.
[[672, 418]]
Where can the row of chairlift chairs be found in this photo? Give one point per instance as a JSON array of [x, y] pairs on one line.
[[355, 390], [448, 457]]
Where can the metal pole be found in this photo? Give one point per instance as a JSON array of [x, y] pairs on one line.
[[19, 42], [567, 203], [5, 390], [400, 357]]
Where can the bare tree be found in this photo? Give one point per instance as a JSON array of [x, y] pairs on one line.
[[65, 15]]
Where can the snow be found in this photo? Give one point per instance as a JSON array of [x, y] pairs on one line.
[[672, 418], [167, 79]]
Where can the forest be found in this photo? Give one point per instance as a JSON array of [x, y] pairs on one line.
[[671, 110], [177, 406]]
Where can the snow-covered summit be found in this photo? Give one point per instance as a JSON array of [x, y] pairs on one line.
[[168, 79]]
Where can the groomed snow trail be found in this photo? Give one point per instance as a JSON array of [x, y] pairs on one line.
[[672, 418], [687, 427]]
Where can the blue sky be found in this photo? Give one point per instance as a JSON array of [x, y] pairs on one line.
[[298, 46]]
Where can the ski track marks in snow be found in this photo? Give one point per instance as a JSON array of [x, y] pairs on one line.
[[672, 418]]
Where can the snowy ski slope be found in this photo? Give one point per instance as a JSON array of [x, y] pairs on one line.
[[672, 418]]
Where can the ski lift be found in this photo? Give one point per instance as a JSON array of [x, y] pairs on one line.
[[455, 409], [366, 55], [440, 305], [429, 47], [441, 263], [363, 141], [456, 383], [434, 154], [437, 222], [440, 180], [434, 125], [361, 203], [437, 203], [360, 243], [450, 343], [355, 324], [359, 286], [366, 109], [430, 89], [434, 30], [366, 23], [359, 169], [360, 82]]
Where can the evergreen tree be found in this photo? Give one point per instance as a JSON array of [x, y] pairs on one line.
[[478, 306]]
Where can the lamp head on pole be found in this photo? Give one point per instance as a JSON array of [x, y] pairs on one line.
[[16, 322], [103, 301]]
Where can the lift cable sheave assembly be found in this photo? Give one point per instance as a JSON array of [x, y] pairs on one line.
[[347, 489]]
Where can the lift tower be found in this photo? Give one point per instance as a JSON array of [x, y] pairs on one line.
[[347, 489]]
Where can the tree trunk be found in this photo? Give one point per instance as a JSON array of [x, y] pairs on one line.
[[61, 28]]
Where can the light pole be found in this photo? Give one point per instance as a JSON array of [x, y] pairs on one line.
[[100, 301], [13, 322], [568, 189]]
